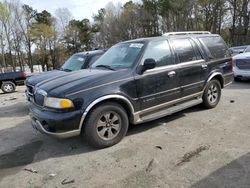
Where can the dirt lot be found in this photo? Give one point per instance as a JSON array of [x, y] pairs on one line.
[[193, 148]]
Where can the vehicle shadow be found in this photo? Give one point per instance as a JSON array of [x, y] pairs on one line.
[[244, 84], [135, 129], [32, 142], [234, 174], [36, 147], [2, 93]]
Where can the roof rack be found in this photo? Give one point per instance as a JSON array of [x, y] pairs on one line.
[[187, 33]]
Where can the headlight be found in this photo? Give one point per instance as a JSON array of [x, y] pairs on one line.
[[58, 103]]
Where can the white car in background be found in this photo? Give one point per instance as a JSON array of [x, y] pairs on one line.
[[241, 65]]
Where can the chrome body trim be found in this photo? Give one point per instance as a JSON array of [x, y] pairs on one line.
[[228, 74], [158, 107], [38, 126], [203, 81], [41, 92], [228, 84], [95, 102], [162, 92], [174, 89], [179, 65], [213, 75], [31, 94]]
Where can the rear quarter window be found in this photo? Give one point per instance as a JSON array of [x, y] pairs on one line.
[[216, 46]]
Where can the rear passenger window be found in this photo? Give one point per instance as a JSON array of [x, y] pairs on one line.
[[185, 50], [160, 52], [216, 46]]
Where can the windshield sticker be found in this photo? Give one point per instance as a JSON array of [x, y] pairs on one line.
[[136, 45], [80, 59]]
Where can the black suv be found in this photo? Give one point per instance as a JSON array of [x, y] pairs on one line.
[[133, 82]]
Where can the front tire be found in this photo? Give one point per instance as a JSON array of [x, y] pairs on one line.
[[8, 87], [212, 94], [106, 125]]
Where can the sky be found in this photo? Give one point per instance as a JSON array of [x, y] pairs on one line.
[[80, 9]]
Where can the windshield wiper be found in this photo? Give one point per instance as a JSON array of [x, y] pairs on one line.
[[66, 70], [106, 66]]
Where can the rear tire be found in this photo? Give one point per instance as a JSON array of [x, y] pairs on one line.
[[8, 87], [212, 94], [106, 125]]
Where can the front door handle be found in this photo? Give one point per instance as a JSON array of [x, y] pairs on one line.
[[171, 74], [204, 66]]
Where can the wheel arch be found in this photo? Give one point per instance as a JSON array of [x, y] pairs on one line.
[[13, 81], [123, 101], [218, 76]]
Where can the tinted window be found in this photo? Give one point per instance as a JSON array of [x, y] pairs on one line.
[[185, 50], [74, 63], [160, 52], [216, 46]]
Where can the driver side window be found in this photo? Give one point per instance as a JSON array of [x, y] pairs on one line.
[[160, 52]]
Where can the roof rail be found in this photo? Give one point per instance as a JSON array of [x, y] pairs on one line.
[[186, 33]]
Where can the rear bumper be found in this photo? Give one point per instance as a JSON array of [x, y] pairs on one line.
[[245, 74], [20, 82], [56, 124], [228, 79]]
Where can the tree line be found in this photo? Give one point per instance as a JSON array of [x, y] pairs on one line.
[[29, 37]]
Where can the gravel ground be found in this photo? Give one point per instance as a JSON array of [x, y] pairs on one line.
[[193, 148]]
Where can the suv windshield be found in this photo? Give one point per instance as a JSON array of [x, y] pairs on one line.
[[120, 56], [74, 63]]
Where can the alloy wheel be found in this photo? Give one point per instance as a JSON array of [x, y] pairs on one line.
[[108, 125]]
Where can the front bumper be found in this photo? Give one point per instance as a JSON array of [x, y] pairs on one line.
[[56, 124]]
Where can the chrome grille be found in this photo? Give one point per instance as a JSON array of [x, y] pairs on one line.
[[39, 96], [30, 90], [39, 99]]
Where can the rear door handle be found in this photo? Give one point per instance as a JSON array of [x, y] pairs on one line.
[[204, 66], [171, 74]]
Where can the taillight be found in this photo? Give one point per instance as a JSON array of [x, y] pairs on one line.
[[23, 74], [233, 63]]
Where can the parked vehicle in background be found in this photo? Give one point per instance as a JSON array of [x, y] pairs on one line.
[[133, 82], [247, 49], [9, 81], [238, 49], [82, 60], [241, 66]]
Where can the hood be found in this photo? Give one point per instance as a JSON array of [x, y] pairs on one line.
[[242, 56], [61, 85], [35, 79]]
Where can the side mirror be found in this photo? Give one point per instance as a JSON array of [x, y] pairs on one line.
[[149, 64]]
